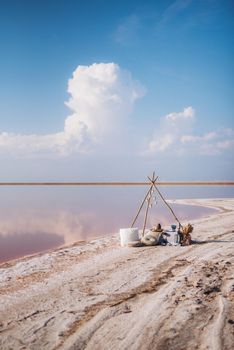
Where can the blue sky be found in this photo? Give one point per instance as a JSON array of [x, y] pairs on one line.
[[155, 91]]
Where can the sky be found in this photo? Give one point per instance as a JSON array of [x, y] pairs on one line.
[[107, 90], [113, 90]]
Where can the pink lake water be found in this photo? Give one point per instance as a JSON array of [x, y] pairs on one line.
[[38, 219]]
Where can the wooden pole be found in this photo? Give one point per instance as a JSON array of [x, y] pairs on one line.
[[141, 206], [171, 210], [149, 199], [146, 212]]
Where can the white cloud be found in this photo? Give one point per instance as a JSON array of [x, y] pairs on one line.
[[173, 10], [211, 143], [175, 135], [161, 143], [170, 130], [186, 114], [127, 30], [206, 137], [101, 97], [225, 144]]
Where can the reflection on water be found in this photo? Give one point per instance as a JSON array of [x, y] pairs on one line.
[[35, 220], [16, 245]]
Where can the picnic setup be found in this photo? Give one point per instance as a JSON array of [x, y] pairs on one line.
[[176, 234]]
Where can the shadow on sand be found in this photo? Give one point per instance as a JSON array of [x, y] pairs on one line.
[[213, 241]]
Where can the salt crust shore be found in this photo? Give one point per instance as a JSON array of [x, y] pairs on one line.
[[101, 296]]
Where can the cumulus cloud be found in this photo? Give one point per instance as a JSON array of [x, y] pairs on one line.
[[176, 135], [211, 143], [192, 138], [102, 96], [160, 143], [169, 131], [187, 114]]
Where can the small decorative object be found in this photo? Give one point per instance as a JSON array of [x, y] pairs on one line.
[[157, 228], [154, 236], [186, 237], [173, 227]]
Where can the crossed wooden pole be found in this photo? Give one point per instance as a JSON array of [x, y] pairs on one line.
[[147, 199]]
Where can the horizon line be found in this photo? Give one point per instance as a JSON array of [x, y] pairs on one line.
[[114, 183]]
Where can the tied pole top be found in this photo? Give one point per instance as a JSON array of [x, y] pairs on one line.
[[152, 183]]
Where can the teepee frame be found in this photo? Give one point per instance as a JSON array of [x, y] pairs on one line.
[[147, 199]]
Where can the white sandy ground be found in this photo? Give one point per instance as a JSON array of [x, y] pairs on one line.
[[101, 296]]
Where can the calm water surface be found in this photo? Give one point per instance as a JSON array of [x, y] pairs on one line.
[[38, 219]]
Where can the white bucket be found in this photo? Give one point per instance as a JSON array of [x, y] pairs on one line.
[[128, 235]]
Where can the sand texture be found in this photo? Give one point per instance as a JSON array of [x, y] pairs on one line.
[[101, 296]]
